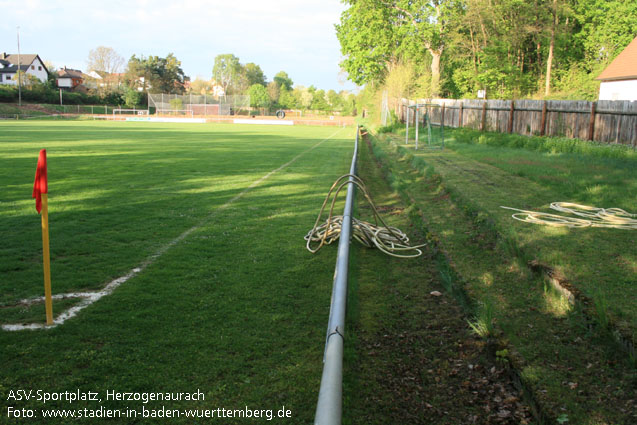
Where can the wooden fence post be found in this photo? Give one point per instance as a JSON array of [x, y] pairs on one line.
[[591, 124], [442, 115], [460, 116], [543, 121], [510, 124], [483, 124]]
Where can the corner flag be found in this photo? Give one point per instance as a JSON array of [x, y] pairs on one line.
[[40, 193], [40, 185]]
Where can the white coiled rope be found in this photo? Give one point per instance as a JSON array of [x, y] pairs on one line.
[[587, 216], [390, 240]]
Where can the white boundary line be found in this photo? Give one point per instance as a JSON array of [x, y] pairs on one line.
[[90, 297]]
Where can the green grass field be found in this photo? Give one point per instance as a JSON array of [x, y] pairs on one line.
[[237, 309], [601, 263], [573, 357], [228, 301]]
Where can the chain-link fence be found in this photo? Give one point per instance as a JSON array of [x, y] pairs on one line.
[[192, 104]]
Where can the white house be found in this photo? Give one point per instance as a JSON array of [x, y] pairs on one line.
[[29, 65], [619, 79], [69, 78]]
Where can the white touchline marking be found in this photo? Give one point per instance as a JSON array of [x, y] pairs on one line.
[[90, 297]]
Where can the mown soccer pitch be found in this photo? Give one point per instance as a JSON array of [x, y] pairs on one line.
[[224, 300]]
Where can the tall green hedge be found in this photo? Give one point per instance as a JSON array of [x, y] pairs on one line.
[[41, 93]]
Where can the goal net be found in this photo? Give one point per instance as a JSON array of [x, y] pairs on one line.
[[427, 126]]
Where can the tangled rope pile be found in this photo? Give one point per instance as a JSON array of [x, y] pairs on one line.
[[614, 218], [390, 240]]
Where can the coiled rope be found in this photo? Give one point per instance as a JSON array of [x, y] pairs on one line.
[[614, 218], [390, 240]]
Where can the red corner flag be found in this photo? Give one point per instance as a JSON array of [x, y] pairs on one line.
[[40, 185]]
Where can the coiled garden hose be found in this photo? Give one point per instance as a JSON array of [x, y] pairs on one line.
[[614, 218], [390, 240]]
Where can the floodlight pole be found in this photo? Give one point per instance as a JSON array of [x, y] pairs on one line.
[[19, 72]]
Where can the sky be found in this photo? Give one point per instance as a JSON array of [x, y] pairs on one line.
[[295, 36]]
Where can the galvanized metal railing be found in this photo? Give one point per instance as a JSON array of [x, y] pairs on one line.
[[329, 408]]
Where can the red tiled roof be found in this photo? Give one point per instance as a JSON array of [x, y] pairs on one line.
[[624, 67]]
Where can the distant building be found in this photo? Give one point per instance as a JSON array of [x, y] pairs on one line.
[[103, 80], [217, 89], [29, 65], [619, 79], [69, 79]]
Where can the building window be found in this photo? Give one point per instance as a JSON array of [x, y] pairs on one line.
[[8, 77], [39, 68], [33, 67]]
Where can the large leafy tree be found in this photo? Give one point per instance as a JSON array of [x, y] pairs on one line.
[[227, 71], [369, 40], [375, 33], [105, 59], [258, 96], [283, 80], [162, 75], [253, 74]]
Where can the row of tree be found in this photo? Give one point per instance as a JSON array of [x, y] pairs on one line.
[[165, 75], [510, 48], [306, 98]]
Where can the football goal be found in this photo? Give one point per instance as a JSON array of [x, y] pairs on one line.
[[122, 111], [429, 128], [175, 112]]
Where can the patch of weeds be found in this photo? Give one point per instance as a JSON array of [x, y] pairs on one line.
[[562, 419], [502, 356], [484, 323], [601, 310], [556, 303]]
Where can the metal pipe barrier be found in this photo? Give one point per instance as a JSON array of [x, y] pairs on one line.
[[329, 409]]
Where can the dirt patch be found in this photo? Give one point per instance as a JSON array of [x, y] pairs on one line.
[[429, 369], [38, 108]]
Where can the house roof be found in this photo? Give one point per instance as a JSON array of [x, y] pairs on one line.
[[25, 61], [12, 69], [69, 73], [624, 67]]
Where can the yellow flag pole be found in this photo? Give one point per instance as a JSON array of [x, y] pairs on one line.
[[47, 262]]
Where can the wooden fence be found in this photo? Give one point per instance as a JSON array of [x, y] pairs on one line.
[[605, 121]]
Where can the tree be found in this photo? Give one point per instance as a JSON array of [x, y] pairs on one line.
[[319, 103], [303, 96], [335, 100], [226, 71], [258, 96], [200, 86], [274, 91], [176, 104], [104, 59], [283, 80], [374, 34], [253, 74], [132, 97], [286, 99], [162, 75]]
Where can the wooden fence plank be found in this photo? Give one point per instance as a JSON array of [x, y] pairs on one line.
[[613, 122]]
